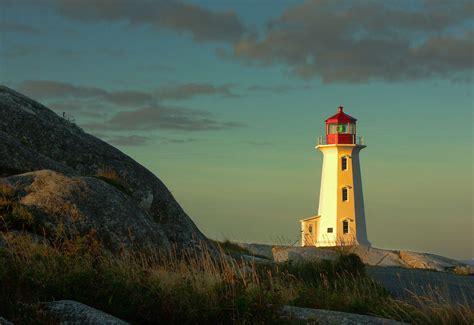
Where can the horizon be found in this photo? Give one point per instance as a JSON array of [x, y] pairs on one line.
[[226, 111]]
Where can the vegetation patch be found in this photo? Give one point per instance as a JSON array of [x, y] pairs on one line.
[[111, 177], [194, 288], [235, 250], [13, 216]]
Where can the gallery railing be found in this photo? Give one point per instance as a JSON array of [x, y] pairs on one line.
[[341, 139]]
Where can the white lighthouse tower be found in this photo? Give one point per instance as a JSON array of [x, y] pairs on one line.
[[341, 218]]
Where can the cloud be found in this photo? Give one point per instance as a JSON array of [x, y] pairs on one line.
[[84, 108], [160, 117], [47, 89], [6, 26], [202, 23], [129, 140], [14, 51], [359, 41], [278, 89], [189, 90], [258, 143], [146, 113], [165, 140]]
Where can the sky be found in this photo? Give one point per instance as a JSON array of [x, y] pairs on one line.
[[224, 100]]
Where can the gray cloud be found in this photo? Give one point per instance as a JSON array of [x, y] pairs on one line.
[[202, 23], [278, 89], [47, 89], [13, 51], [189, 90], [129, 140], [159, 117], [6, 26], [147, 115], [165, 140], [258, 143], [360, 41]]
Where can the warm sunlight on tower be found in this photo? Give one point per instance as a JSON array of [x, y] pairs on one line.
[[341, 218]]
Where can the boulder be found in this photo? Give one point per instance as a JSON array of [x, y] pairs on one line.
[[428, 261], [302, 254], [258, 249], [81, 205], [35, 138], [320, 316], [73, 312]]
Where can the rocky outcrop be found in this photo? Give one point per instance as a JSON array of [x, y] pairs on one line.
[[320, 316], [73, 312], [81, 205], [302, 254], [368, 254], [32, 138]]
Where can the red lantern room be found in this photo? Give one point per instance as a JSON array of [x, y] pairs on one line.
[[341, 128]]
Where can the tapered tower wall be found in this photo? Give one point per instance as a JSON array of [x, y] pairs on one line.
[[333, 210]]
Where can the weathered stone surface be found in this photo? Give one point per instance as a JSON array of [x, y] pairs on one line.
[[302, 254], [258, 249], [375, 256], [368, 254], [3, 321], [73, 312], [320, 316], [32, 137], [85, 204]]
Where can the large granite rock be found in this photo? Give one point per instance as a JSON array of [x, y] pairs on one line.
[[302, 254], [35, 138], [73, 312], [81, 205]]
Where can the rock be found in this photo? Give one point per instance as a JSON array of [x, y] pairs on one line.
[[258, 249], [302, 254], [320, 316], [72, 312], [3, 321], [428, 261], [35, 138], [378, 257], [254, 259], [85, 204]]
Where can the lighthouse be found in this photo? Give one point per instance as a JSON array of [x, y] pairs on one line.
[[341, 218]]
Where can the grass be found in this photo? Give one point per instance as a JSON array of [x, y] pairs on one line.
[[111, 177], [194, 287], [13, 216], [235, 250]]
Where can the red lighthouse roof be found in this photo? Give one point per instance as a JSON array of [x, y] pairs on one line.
[[340, 117]]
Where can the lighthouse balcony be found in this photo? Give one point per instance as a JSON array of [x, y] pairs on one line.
[[341, 139]]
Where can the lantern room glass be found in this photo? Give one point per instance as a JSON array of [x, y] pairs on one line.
[[341, 128]]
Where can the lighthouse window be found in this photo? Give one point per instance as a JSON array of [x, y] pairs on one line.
[[345, 194], [344, 163], [345, 227], [330, 230], [310, 228], [342, 128]]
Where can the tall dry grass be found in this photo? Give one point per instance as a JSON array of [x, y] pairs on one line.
[[195, 287]]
